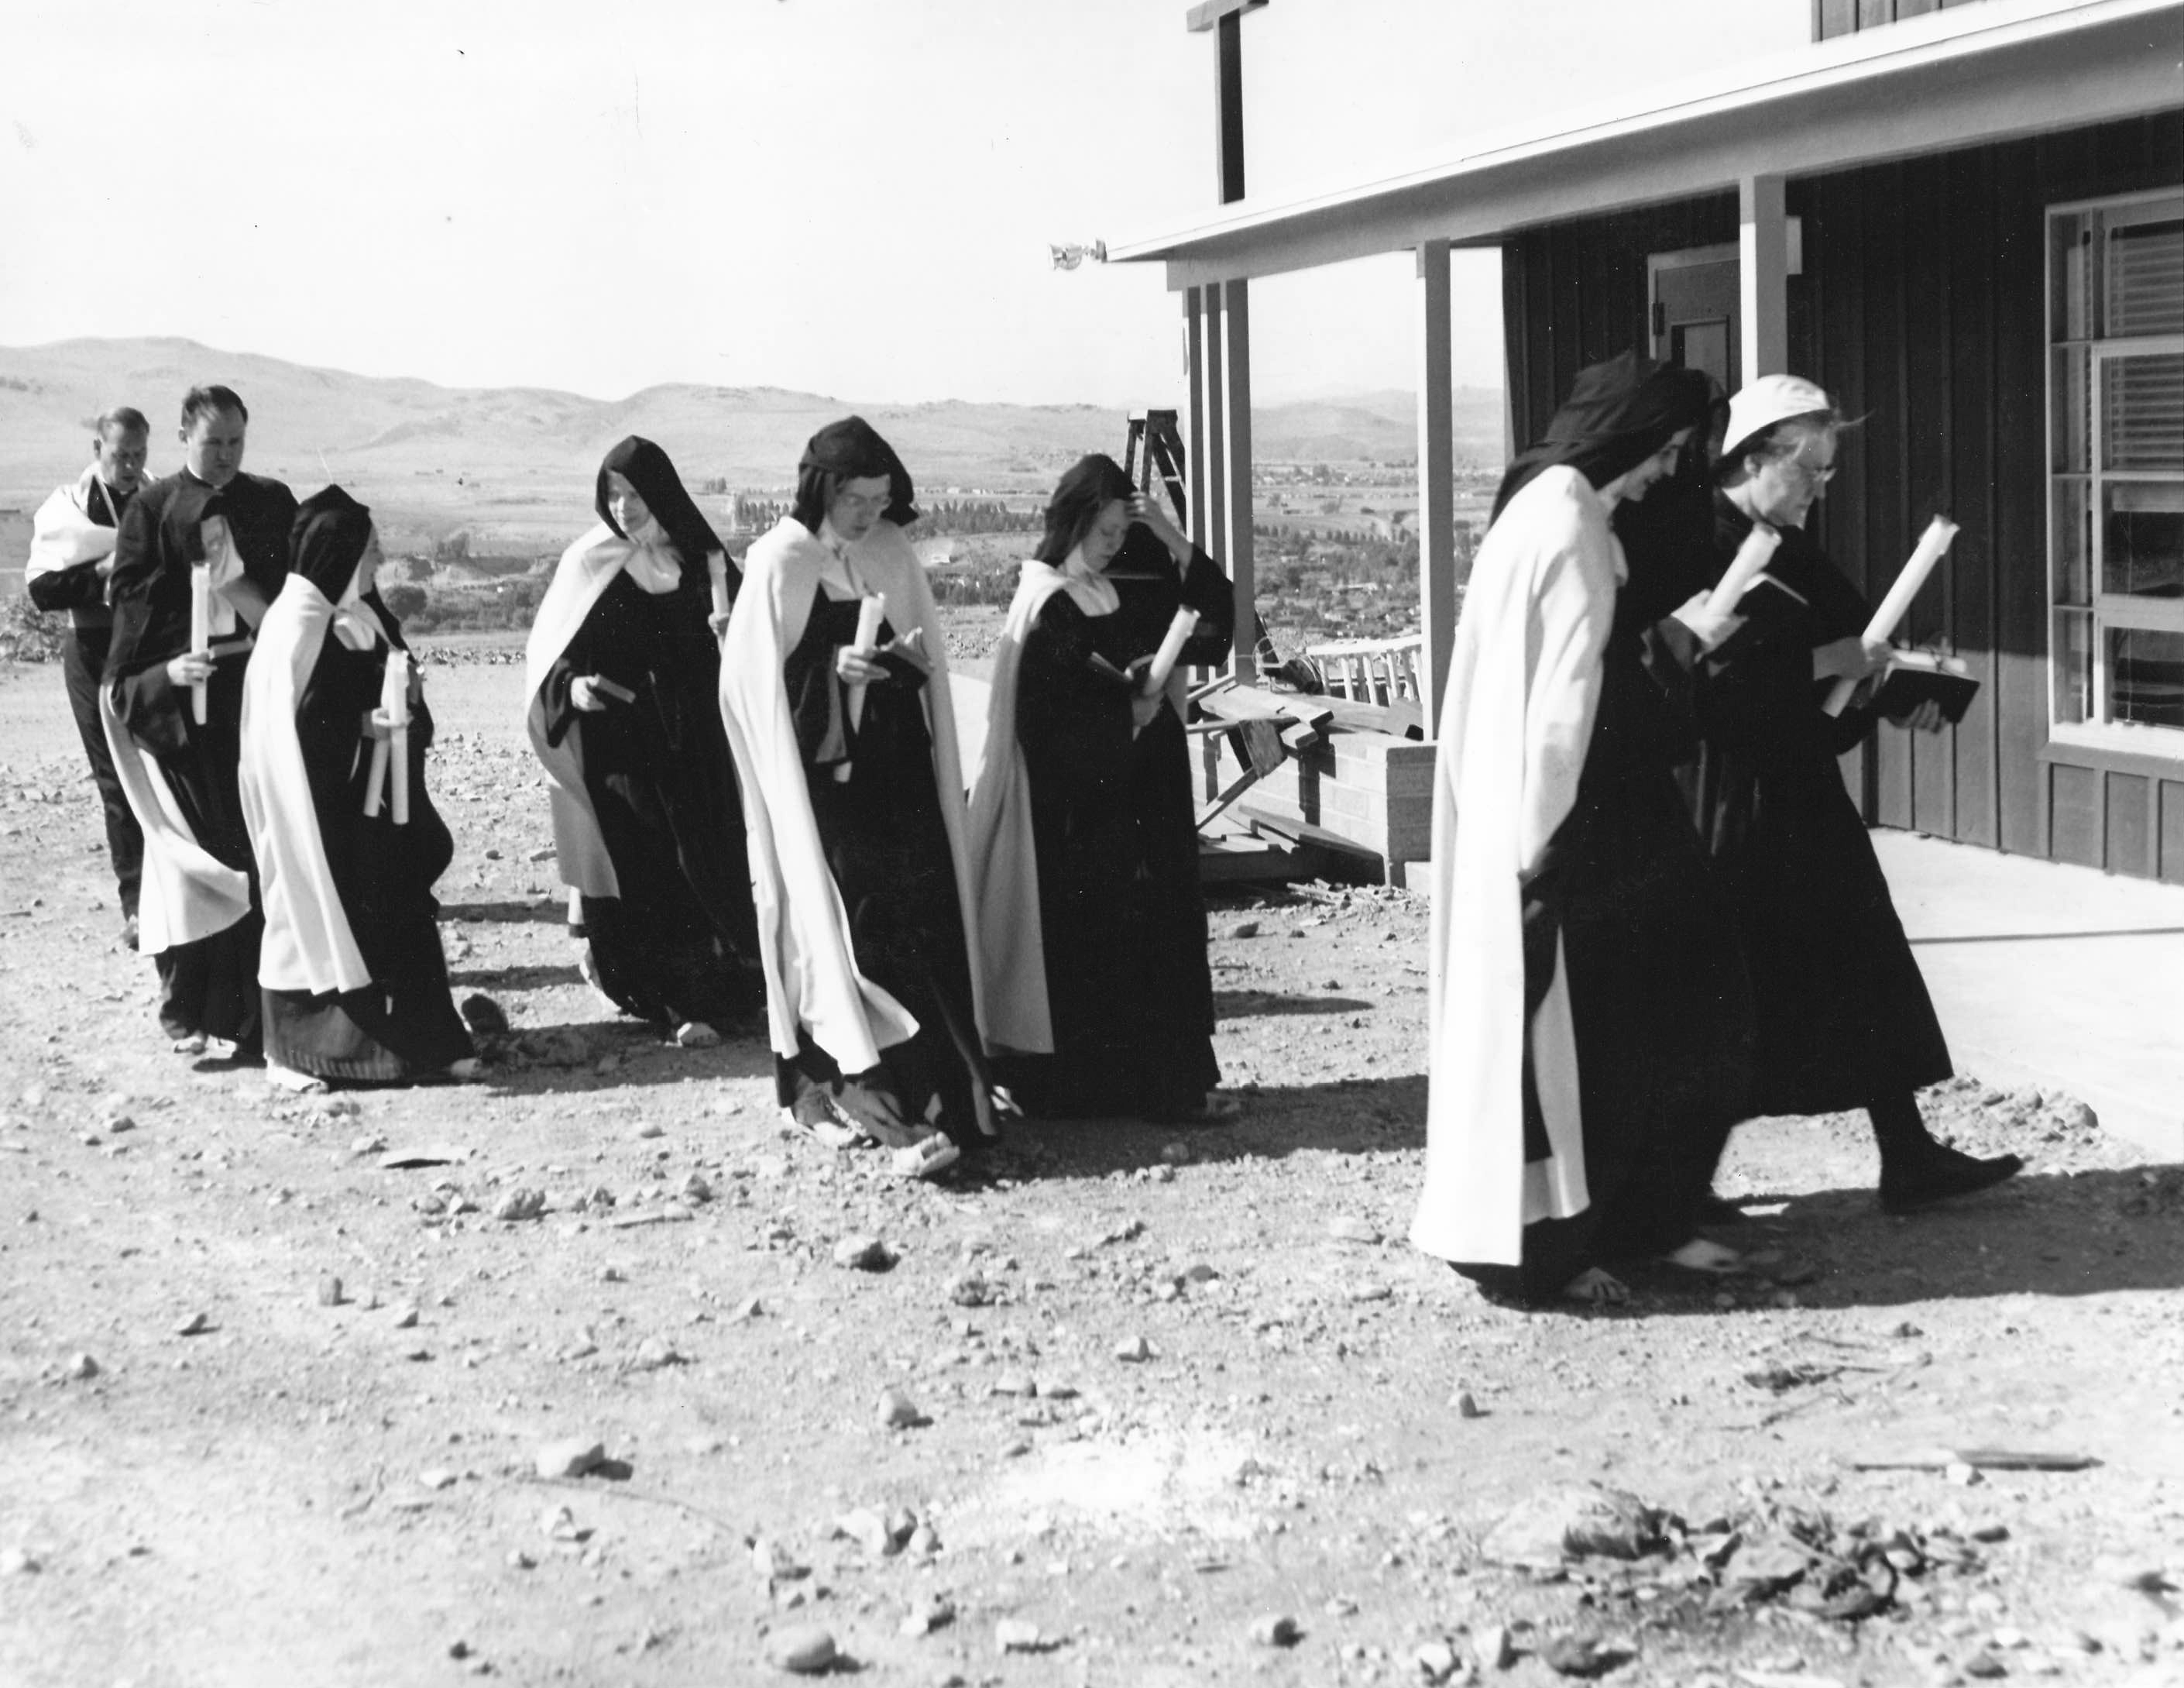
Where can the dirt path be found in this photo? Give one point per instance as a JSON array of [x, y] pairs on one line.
[[305, 1493]]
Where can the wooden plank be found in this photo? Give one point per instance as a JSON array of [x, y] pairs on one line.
[[2017, 294], [1968, 198], [1439, 600], [1887, 520], [1836, 521], [2128, 841], [1236, 471], [1206, 13], [1762, 277], [1516, 351], [1228, 107], [2076, 814], [1929, 484]]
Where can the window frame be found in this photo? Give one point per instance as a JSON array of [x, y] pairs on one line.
[[2099, 612]]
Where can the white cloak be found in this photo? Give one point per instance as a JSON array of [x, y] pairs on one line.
[[1004, 853], [1524, 685], [62, 535], [586, 569], [309, 944], [811, 976]]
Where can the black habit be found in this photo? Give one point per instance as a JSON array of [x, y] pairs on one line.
[[1844, 1018], [1122, 916], [208, 988]]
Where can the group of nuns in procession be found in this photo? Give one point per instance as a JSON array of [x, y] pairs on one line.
[[1656, 911], [757, 795]]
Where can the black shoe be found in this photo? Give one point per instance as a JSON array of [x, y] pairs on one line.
[[1937, 1172]]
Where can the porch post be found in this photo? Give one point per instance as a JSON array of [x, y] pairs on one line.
[[1194, 412], [1206, 527], [1761, 271], [1234, 450], [1437, 598]]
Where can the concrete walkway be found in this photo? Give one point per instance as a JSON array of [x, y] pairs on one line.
[[2054, 976]]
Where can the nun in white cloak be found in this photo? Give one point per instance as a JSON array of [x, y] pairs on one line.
[[1567, 884], [355, 984], [834, 689]]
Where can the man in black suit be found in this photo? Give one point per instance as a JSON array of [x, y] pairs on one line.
[[200, 914]]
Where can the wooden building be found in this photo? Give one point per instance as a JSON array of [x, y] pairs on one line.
[[1967, 223]]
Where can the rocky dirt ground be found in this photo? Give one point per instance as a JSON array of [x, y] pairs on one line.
[[284, 1399]]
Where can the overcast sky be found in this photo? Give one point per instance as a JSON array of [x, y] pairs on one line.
[[850, 197]]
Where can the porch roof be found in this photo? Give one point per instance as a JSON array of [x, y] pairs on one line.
[[1958, 77]]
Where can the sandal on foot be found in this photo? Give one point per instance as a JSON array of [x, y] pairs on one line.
[[1595, 1287], [192, 1043], [695, 1034], [925, 1157], [467, 1070], [287, 1078], [1702, 1254], [820, 1126]]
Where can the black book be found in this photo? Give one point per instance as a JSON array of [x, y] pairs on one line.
[[1914, 677]]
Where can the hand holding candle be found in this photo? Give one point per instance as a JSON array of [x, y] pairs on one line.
[[1933, 545]]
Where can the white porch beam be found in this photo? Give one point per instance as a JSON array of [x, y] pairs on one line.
[[1763, 269], [1207, 414], [1437, 595], [1235, 453]]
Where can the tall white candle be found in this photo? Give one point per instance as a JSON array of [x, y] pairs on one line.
[[870, 614], [1933, 545], [717, 567], [1179, 630], [200, 631], [1756, 551], [395, 699]]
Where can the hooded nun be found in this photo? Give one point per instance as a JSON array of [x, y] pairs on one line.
[[355, 983], [646, 815], [853, 797], [1588, 1037], [1084, 846]]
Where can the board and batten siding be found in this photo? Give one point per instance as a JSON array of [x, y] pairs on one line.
[[1921, 309]]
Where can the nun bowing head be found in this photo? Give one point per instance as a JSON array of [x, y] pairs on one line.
[[328, 540], [850, 450], [1086, 489]]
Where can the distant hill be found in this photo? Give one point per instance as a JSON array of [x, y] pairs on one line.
[[514, 464]]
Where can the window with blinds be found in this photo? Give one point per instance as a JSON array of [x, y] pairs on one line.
[[2116, 449]]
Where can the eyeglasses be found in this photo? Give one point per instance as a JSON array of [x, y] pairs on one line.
[[1818, 473]]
